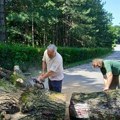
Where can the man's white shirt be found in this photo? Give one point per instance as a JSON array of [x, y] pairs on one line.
[[55, 64]]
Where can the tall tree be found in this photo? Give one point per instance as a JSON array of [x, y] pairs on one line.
[[116, 30], [2, 20], [79, 23]]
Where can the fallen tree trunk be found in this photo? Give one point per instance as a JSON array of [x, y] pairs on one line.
[[9, 103], [43, 105], [95, 106], [4, 73], [32, 104], [35, 104]]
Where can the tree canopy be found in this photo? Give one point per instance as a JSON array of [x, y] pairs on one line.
[[80, 23]]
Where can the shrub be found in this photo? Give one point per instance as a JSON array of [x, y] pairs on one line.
[[71, 55], [27, 57], [23, 56]]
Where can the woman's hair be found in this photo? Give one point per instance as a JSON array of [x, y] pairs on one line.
[[97, 61]]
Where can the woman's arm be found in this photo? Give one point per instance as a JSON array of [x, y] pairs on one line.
[[108, 80]]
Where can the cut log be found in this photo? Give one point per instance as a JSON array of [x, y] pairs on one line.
[[35, 104], [11, 75], [95, 106], [9, 97], [32, 104], [43, 105], [18, 78], [9, 103], [4, 73], [5, 70]]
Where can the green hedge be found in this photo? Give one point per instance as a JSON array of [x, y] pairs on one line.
[[71, 55], [26, 57]]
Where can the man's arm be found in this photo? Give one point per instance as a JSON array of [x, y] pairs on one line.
[[44, 66]]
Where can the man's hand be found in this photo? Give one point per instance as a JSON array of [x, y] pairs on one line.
[[42, 74], [45, 75], [41, 78]]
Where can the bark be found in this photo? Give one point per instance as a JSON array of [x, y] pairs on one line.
[[9, 99], [20, 79], [95, 106], [43, 105], [34, 103], [2, 20], [4, 73], [9, 103]]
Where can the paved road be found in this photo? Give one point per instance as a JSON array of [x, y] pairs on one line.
[[85, 78]]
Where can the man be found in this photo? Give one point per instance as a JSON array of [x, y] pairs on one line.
[[52, 62], [110, 70]]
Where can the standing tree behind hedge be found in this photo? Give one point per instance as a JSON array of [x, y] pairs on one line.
[[79, 23]]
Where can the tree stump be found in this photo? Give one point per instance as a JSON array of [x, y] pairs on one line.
[[95, 106]]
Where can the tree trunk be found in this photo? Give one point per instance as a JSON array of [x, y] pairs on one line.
[[32, 104], [95, 106], [9, 102], [33, 41], [43, 105], [2, 20], [4, 73]]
